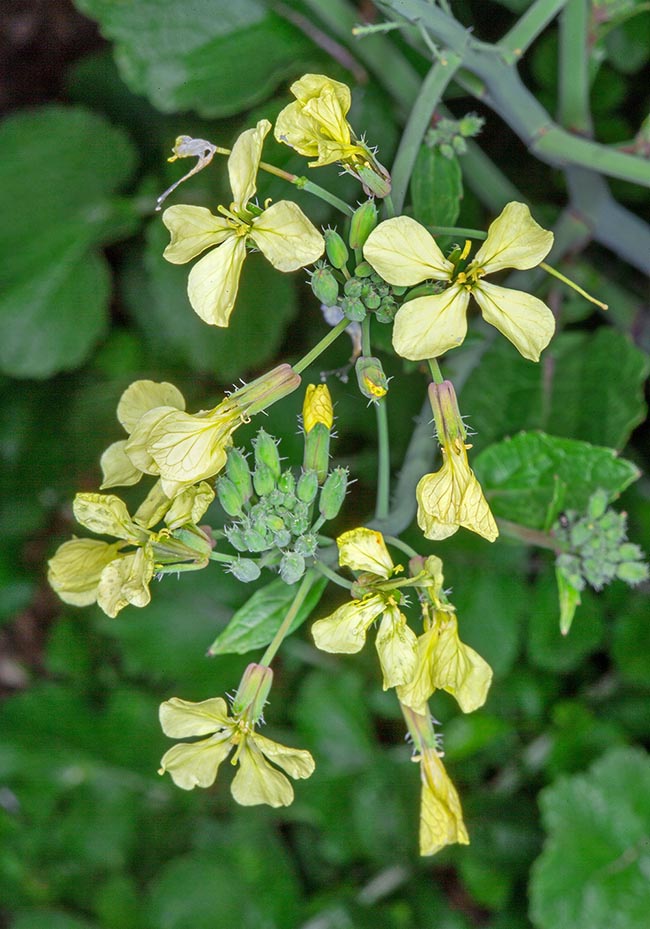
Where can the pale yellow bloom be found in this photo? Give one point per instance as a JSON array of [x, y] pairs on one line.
[[445, 663], [452, 497], [404, 253], [281, 232], [76, 567], [365, 550], [196, 764], [441, 816]]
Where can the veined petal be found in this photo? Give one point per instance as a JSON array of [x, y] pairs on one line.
[[153, 507], [396, 645], [441, 816], [458, 669], [196, 764], [125, 581], [365, 550], [106, 514], [416, 692], [190, 505], [76, 566], [244, 161], [430, 326], [137, 444], [257, 781], [514, 240], [117, 468], [523, 319], [193, 229], [190, 448], [142, 396], [311, 85], [298, 131], [297, 762], [330, 151], [326, 111], [213, 282], [344, 631], [452, 497], [404, 253], [182, 718], [286, 237]]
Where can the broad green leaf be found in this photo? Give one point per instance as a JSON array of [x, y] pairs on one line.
[[257, 621], [59, 171], [212, 56], [266, 303], [531, 478], [587, 386], [594, 868], [436, 188]]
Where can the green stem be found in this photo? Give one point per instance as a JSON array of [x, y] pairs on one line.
[[529, 536], [383, 463], [529, 27], [333, 576], [303, 184], [224, 559], [573, 68], [389, 207], [365, 337], [397, 543], [287, 622], [458, 231], [320, 347], [436, 373], [430, 93]]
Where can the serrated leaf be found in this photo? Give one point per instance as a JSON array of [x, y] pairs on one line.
[[587, 386], [59, 170], [436, 188], [255, 624], [212, 56], [531, 478], [594, 868]]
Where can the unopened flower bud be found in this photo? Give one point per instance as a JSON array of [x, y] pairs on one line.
[[252, 692], [317, 407], [371, 379], [317, 451], [375, 182], [449, 423], [353, 287], [265, 390], [333, 493], [239, 473], [228, 496], [362, 223], [292, 567], [307, 486], [354, 309], [306, 545], [235, 536], [266, 452], [263, 479], [337, 250], [287, 483], [363, 269], [325, 286], [245, 570], [632, 572]]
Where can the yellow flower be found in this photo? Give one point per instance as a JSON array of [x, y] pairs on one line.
[[76, 567], [317, 407], [282, 233], [365, 550], [195, 764], [441, 816], [404, 254]]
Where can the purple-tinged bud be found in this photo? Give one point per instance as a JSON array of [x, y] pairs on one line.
[[252, 692]]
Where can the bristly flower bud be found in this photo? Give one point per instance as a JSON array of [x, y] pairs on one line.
[[371, 379], [307, 486], [228, 495], [362, 223], [245, 570], [337, 250], [239, 473], [317, 451], [252, 692], [287, 483], [263, 479], [449, 422], [377, 182], [325, 286], [333, 493], [292, 567], [266, 453]]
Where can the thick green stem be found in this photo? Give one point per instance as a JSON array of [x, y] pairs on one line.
[[383, 462], [333, 576], [436, 373], [428, 98], [529, 27], [529, 536], [320, 347], [287, 622], [573, 68]]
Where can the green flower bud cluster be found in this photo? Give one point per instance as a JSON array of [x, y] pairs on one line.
[[597, 547], [275, 515], [449, 135]]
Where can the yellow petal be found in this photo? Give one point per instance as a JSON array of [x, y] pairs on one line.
[[396, 645], [182, 718], [404, 253], [213, 282], [430, 326], [441, 816], [193, 229], [523, 319], [257, 782], [514, 240], [244, 161], [344, 631], [117, 468], [190, 505], [187, 448], [298, 131], [153, 507], [197, 764], [286, 237], [125, 581], [76, 566], [458, 669], [317, 407], [142, 396], [312, 85], [297, 762], [137, 444], [106, 514], [452, 497], [365, 550], [326, 111]]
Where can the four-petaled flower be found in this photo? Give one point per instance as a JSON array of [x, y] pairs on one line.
[[195, 764], [404, 253], [282, 233]]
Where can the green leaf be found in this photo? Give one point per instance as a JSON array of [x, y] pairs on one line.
[[587, 386], [436, 188], [212, 56], [530, 479], [59, 170], [255, 624], [594, 868]]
